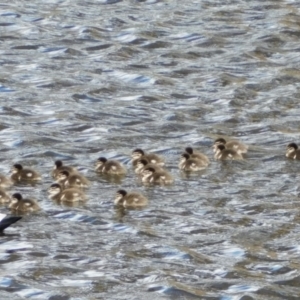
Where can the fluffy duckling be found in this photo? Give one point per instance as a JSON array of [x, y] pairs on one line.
[[6, 221], [189, 164], [223, 153], [59, 166], [18, 203], [109, 167], [232, 145], [67, 179], [56, 192], [5, 182], [4, 197], [144, 163], [130, 200], [162, 177], [197, 155], [24, 174], [292, 151], [153, 158]]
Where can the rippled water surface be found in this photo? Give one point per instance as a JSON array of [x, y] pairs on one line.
[[83, 79]]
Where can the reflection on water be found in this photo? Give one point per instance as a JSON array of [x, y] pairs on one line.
[[101, 79]]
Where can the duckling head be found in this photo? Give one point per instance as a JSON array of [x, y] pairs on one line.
[[137, 153], [119, 197], [220, 141], [58, 164], [63, 175], [16, 197], [292, 146], [185, 157], [220, 147], [16, 168], [149, 171], [142, 163], [54, 189], [100, 162], [189, 150]]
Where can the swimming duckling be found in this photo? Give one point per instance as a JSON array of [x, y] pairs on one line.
[[109, 167], [153, 158], [223, 153], [233, 145], [162, 177], [24, 174], [6, 221], [67, 179], [292, 151], [130, 200], [18, 203], [197, 155], [59, 166], [189, 164], [56, 192], [4, 197], [144, 163], [5, 182]]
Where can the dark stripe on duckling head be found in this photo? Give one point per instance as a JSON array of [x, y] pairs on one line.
[[102, 159], [220, 141], [58, 163], [292, 145], [122, 192], [138, 150], [18, 166], [189, 150]]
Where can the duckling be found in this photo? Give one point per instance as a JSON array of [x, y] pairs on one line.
[[190, 164], [4, 197], [24, 174], [197, 155], [223, 153], [67, 179], [6, 221], [59, 166], [5, 182], [292, 151], [130, 200], [109, 167], [162, 177], [233, 145], [153, 158], [18, 203], [57, 193], [144, 163]]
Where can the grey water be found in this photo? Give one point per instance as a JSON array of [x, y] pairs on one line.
[[83, 79]]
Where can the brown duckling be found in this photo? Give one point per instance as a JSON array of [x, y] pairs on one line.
[[24, 174], [5, 182], [189, 164], [197, 155], [67, 180], [6, 221], [59, 166], [57, 193], [18, 203], [109, 167], [223, 153], [162, 177], [292, 151], [153, 158], [232, 145], [130, 200], [144, 163], [4, 197]]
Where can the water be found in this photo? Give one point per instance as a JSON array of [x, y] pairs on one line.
[[81, 80]]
